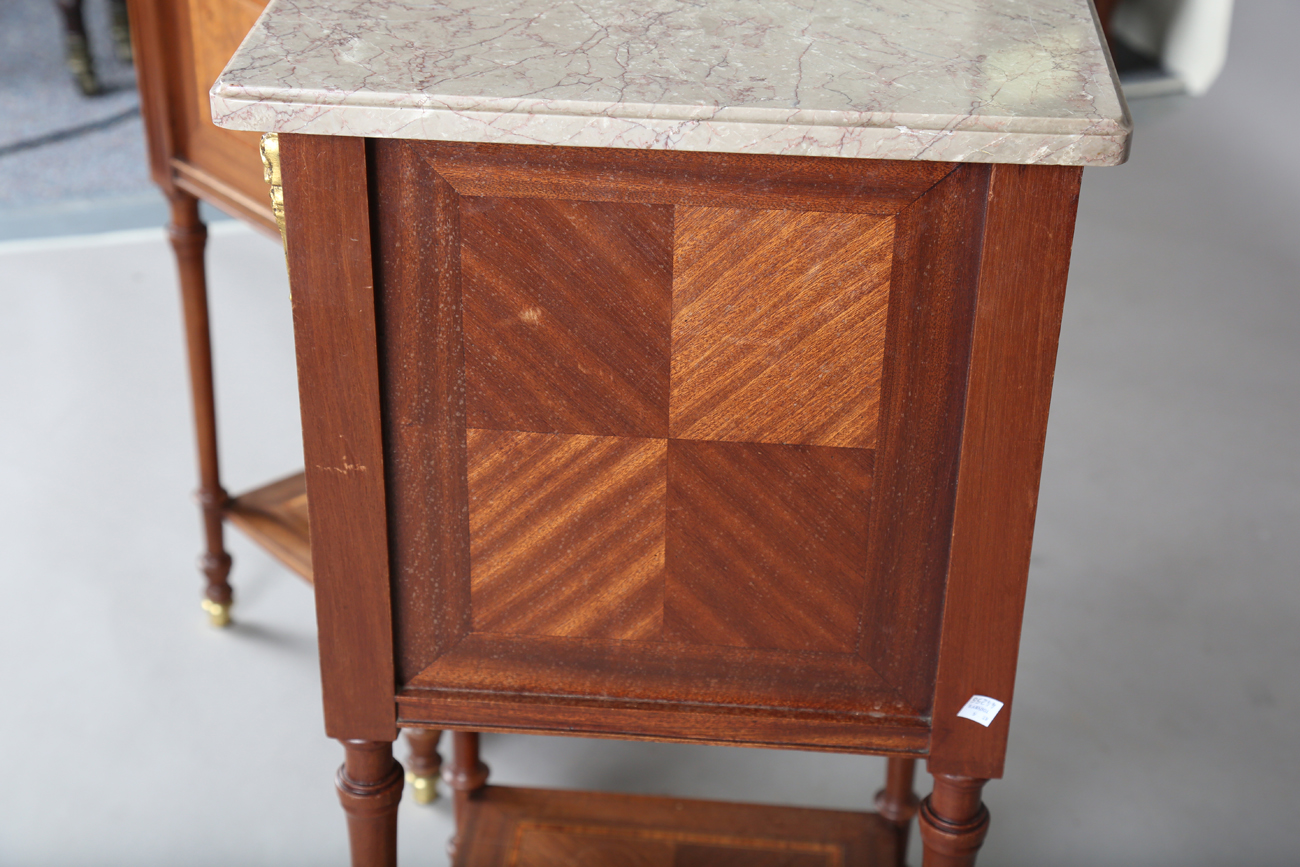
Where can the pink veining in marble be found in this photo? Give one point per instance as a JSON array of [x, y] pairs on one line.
[[1015, 81]]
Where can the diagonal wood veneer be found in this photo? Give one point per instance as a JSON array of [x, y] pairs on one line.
[[784, 343]]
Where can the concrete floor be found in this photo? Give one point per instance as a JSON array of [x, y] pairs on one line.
[[1158, 712], [38, 97], [95, 181]]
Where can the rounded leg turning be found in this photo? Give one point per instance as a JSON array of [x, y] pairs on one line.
[[370, 788], [464, 776], [424, 764], [954, 821], [896, 802], [189, 238]]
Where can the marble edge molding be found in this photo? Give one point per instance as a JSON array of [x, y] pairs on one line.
[[961, 138]]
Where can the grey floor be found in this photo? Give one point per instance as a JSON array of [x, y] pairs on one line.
[[89, 182], [1158, 720]]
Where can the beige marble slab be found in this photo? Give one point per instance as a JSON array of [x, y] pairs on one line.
[[1012, 81]]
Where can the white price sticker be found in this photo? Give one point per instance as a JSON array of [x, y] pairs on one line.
[[981, 709]]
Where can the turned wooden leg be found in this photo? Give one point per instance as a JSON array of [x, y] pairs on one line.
[[953, 821], [896, 802], [370, 788], [189, 237], [424, 764], [464, 776], [121, 29], [76, 47]]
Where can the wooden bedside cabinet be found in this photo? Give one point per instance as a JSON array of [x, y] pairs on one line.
[[181, 47], [704, 437]]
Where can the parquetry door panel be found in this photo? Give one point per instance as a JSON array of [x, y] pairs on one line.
[[639, 442]]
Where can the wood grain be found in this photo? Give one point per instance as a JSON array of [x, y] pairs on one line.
[[932, 297], [212, 31], [177, 46], [766, 545], [741, 853], [188, 238], [615, 670], [1023, 269], [566, 534], [338, 383], [953, 821], [416, 220], [512, 826], [369, 786], [889, 729], [683, 177], [778, 326], [566, 315], [813, 664], [152, 23], [545, 845], [276, 517]]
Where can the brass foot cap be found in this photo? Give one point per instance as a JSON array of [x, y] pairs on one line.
[[218, 612], [425, 789]]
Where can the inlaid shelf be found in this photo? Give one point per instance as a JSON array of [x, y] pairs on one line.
[[541, 828], [275, 517]]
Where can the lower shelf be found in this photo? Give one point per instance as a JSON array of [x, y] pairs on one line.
[[275, 517], [510, 827]]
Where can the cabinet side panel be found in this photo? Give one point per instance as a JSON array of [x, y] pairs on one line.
[[208, 32], [936, 256], [1025, 261], [417, 232], [338, 384], [714, 180], [152, 29], [763, 556]]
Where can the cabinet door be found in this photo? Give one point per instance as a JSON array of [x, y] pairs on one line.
[[673, 431]]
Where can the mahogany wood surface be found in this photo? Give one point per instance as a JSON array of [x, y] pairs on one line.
[[424, 759], [338, 389], [466, 776], [807, 370], [275, 516], [151, 34], [369, 786], [897, 803], [801, 510], [780, 335], [522, 535], [180, 46], [683, 722], [682, 177], [424, 412], [1023, 268], [932, 294], [530, 361], [188, 238], [216, 27], [540, 828], [606, 582], [954, 821]]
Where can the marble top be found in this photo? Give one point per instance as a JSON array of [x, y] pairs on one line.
[[1009, 81]]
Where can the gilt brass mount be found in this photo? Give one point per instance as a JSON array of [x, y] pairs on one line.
[[270, 148]]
